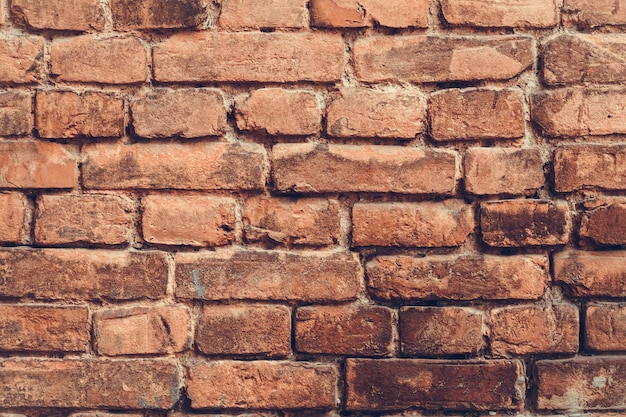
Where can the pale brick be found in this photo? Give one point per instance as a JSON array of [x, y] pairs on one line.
[[605, 327], [77, 15], [16, 118], [158, 14], [590, 274], [386, 13], [486, 13], [602, 221], [585, 166], [21, 59], [252, 14], [14, 224]]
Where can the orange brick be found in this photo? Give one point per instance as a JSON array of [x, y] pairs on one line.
[[158, 14], [593, 13], [21, 59], [188, 220], [350, 13], [76, 15], [93, 59], [83, 218], [65, 114], [591, 274], [16, 113], [484, 13], [251, 14], [602, 221], [142, 330], [14, 223], [583, 166], [244, 330], [605, 327], [253, 56]]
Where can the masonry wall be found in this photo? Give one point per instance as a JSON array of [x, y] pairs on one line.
[[290, 208]]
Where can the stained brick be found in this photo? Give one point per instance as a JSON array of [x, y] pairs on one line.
[[158, 14], [252, 14], [588, 274], [16, 117], [390, 13], [605, 327], [603, 221], [21, 59], [484, 13], [592, 13], [585, 166], [78, 15], [14, 224]]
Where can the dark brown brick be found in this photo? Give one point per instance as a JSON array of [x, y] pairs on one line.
[[158, 14], [588, 274], [16, 118]]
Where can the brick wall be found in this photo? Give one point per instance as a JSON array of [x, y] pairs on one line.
[[316, 208]]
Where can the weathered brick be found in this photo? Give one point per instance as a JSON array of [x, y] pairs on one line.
[[591, 13], [44, 328], [185, 113], [16, 117], [103, 414], [590, 166], [83, 218], [267, 275], [252, 56], [350, 13], [78, 15], [89, 383], [280, 112], [427, 224], [452, 277], [525, 223], [586, 274], [514, 171], [582, 383], [392, 384], [433, 331], [605, 327], [580, 112], [192, 166], [65, 114], [428, 59], [305, 221], [476, 114], [158, 14], [251, 14], [484, 13], [98, 60], [532, 329], [362, 112], [14, 224], [142, 330], [361, 330], [261, 385], [244, 330], [602, 221], [36, 164], [188, 220], [80, 274], [21, 59], [313, 168]]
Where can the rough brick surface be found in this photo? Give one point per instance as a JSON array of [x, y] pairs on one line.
[[484, 13], [605, 327], [585, 166], [244, 330], [21, 59], [83, 218], [602, 221], [82, 15], [311, 168], [16, 117], [591, 13], [14, 225], [353, 14], [251, 14], [261, 385], [158, 14], [412, 224], [586, 274]]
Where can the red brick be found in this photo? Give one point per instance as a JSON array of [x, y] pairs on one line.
[[102, 414], [93, 59], [276, 111], [192, 166], [21, 59], [267, 275], [534, 329], [78, 15], [261, 385], [244, 330], [361, 330], [585, 166], [452, 277], [434, 331], [350, 13], [605, 327], [591, 13], [362, 112], [80, 274], [582, 383], [89, 383], [253, 56], [427, 224], [14, 223], [41, 328], [476, 114], [525, 223], [392, 384], [580, 112], [305, 221], [586, 274], [484, 13], [16, 118], [602, 221], [428, 59], [142, 330], [185, 113], [188, 220], [313, 168], [513, 171], [65, 114], [35, 164], [251, 14], [158, 14], [83, 218]]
